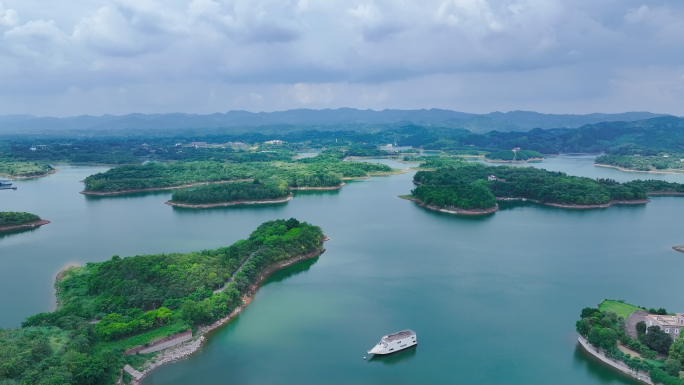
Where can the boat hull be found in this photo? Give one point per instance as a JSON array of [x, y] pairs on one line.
[[392, 349]]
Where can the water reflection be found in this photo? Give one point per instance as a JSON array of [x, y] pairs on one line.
[[395, 358], [291, 271], [598, 370], [317, 192], [13, 232]]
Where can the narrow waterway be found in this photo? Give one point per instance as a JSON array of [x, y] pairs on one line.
[[493, 299]]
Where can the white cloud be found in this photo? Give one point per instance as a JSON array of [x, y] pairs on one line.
[[331, 53], [8, 17]]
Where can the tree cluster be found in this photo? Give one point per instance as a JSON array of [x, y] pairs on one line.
[[232, 192], [523, 182], [11, 218]]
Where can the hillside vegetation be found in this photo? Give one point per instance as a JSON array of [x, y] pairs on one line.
[[466, 185], [139, 299], [24, 169], [232, 192], [324, 170], [12, 218]]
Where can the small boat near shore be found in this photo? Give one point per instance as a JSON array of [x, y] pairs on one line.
[[395, 342], [6, 184]]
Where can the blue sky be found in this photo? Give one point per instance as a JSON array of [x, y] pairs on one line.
[[205, 56]]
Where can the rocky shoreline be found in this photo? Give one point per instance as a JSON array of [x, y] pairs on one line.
[[224, 204], [630, 170], [318, 188], [576, 206], [24, 226], [188, 348], [513, 161], [487, 211], [452, 209], [121, 192]]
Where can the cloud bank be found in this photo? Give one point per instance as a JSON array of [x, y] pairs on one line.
[[204, 56]]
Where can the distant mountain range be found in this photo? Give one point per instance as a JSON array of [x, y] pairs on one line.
[[344, 117]]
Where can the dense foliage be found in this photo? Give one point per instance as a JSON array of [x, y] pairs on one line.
[[11, 218], [24, 169], [673, 162], [605, 329], [509, 155], [475, 195], [62, 347], [155, 175], [232, 192], [324, 170], [522, 182], [657, 186]]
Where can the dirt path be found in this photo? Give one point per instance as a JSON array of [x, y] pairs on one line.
[[239, 269]]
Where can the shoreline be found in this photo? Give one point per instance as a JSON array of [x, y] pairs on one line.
[[188, 348], [372, 174], [24, 226], [460, 211], [303, 188], [630, 170], [224, 204], [665, 193], [576, 206], [452, 210], [122, 192], [59, 277], [621, 367], [513, 161], [19, 177]]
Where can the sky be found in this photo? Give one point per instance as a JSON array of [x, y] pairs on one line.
[[65, 58]]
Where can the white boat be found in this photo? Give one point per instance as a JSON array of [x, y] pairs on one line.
[[392, 343], [6, 184]]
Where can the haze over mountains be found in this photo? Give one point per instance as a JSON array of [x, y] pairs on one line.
[[346, 117]]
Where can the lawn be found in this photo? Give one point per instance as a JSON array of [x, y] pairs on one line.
[[622, 309]]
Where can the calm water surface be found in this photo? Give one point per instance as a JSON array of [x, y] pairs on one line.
[[493, 299]]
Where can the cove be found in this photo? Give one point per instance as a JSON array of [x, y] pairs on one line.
[[493, 299]]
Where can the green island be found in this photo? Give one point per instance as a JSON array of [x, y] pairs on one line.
[[22, 170], [643, 343], [326, 170], [11, 221], [668, 163], [231, 194], [514, 156], [140, 299], [472, 188]]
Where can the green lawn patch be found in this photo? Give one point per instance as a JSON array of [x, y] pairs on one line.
[[621, 309]]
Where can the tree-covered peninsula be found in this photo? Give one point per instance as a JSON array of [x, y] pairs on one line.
[[618, 332], [667, 162], [514, 156], [476, 186], [25, 169], [140, 299], [11, 220], [231, 193], [325, 170]]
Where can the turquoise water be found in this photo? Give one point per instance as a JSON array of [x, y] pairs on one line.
[[493, 299]]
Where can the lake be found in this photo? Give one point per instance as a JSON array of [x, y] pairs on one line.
[[493, 299]]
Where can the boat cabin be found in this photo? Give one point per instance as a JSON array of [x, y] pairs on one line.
[[6, 184]]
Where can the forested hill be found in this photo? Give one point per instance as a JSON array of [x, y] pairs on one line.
[[508, 121], [142, 298], [469, 186], [639, 137]]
